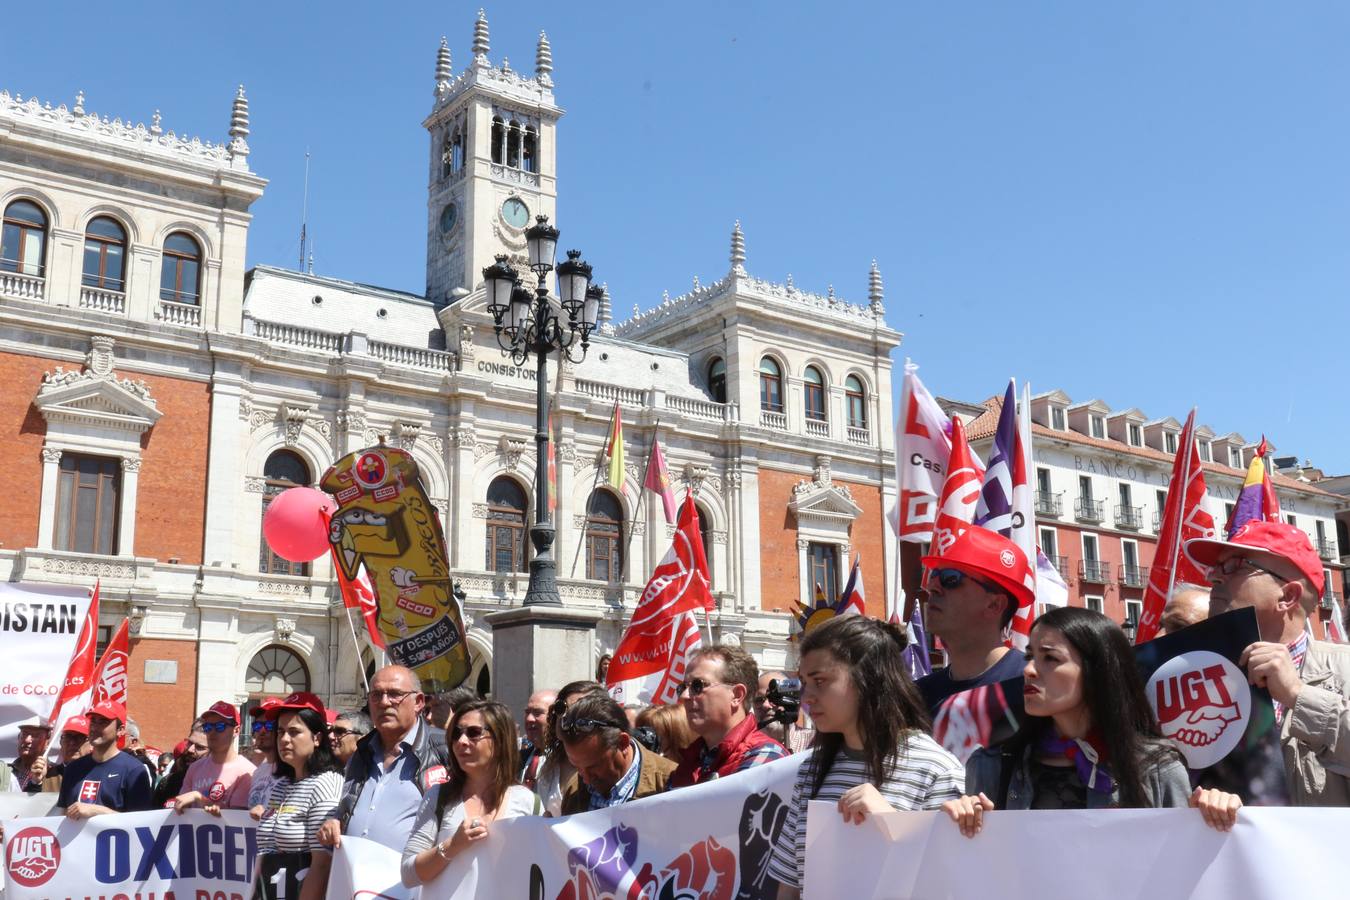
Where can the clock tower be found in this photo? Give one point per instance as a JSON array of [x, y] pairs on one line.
[[492, 166]]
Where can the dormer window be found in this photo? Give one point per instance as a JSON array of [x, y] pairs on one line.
[[1206, 453], [1057, 418], [1136, 435], [1170, 442], [1234, 457], [1097, 426]]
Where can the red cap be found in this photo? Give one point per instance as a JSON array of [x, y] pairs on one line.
[[108, 710], [225, 710], [77, 724], [180, 748], [298, 700], [990, 555], [268, 704], [1276, 538], [330, 716]]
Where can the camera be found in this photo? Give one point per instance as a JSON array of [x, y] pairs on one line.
[[785, 697]]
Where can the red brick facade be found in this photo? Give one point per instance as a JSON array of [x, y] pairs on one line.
[[163, 711]]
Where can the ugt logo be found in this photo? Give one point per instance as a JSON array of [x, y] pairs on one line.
[[1202, 702], [33, 857]]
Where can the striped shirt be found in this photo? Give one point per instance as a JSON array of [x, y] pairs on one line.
[[296, 810], [926, 776]]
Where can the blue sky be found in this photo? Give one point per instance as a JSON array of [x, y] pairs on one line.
[[1148, 204]]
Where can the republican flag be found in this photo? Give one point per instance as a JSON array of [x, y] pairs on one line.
[[614, 450], [1257, 498], [74, 699], [652, 656], [922, 448], [960, 492], [658, 479], [851, 601], [1183, 519], [358, 593]]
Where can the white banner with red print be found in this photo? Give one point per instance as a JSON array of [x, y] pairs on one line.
[[39, 624], [1083, 854]]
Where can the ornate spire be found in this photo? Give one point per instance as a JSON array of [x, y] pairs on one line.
[[480, 39], [604, 316], [155, 124], [737, 249], [239, 125], [543, 61], [443, 69], [79, 103], [874, 291]]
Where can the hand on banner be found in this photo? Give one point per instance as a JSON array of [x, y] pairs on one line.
[[330, 833], [213, 809], [256, 813], [183, 802], [78, 811], [858, 801], [968, 812], [1219, 808], [1269, 666]]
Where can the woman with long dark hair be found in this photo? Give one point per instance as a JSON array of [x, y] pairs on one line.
[[872, 751], [304, 795], [1090, 739], [482, 788]]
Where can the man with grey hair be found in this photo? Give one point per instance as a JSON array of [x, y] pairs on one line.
[[137, 749], [349, 727], [1188, 605]]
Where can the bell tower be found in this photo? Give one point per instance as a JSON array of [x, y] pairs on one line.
[[492, 162]]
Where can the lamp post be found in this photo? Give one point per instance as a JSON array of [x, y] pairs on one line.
[[528, 323]]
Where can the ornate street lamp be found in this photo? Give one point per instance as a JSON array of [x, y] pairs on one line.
[[528, 324]]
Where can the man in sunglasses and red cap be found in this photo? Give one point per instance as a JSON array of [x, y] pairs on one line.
[[1271, 567], [107, 780], [222, 778], [974, 590]]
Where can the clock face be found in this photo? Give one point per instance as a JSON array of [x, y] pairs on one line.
[[515, 213], [449, 218]]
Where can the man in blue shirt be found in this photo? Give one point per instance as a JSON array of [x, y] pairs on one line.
[[107, 780]]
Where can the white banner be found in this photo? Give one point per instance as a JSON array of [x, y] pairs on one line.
[[367, 870], [1272, 852], [194, 854], [39, 624], [26, 806], [709, 840]]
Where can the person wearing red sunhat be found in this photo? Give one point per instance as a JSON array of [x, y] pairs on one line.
[[222, 778], [1272, 568], [107, 780], [974, 590]]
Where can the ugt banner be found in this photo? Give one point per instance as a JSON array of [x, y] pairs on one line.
[[711, 840], [1083, 854], [39, 624], [150, 853]]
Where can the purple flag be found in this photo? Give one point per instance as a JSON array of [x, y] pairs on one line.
[[916, 658]]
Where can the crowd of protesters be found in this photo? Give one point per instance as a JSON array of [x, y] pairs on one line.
[[430, 776]]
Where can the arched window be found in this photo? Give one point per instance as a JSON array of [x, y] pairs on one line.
[[23, 239], [856, 399], [705, 532], [717, 380], [815, 394], [529, 157], [498, 140], [105, 254], [457, 151], [770, 385], [273, 672], [604, 537], [180, 273], [513, 145], [447, 158], [505, 526], [282, 470]]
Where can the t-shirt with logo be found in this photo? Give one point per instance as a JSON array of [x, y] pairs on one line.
[[223, 784], [121, 783]]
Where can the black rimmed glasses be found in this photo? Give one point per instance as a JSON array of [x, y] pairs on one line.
[[1233, 564], [393, 697]]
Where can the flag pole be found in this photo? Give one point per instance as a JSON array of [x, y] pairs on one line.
[[347, 610], [641, 506]]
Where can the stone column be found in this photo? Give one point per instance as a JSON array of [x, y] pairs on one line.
[[224, 465], [126, 522], [51, 473]]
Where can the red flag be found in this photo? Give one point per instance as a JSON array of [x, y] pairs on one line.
[[1183, 518], [80, 672], [658, 479], [359, 593], [960, 492], [650, 658], [110, 678]]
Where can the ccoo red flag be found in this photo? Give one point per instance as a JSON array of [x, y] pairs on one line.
[[80, 672], [960, 492], [1183, 519]]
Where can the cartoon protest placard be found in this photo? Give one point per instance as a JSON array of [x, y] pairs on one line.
[[386, 521]]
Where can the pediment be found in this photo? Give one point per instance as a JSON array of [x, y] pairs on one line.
[[823, 502], [96, 400]]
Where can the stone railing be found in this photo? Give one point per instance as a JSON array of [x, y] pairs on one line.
[[817, 428], [774, 420], [21, 287], [611, 393], [859, 436], [103, 301], [294, 335], [417, 357], [701, 409], [189, 314]]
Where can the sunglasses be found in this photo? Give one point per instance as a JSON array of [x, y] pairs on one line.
[[341, 733], [474, 733], [695, 687], [1231, 565], [950, 579], [209, 727], [583, 726], [264, 726]]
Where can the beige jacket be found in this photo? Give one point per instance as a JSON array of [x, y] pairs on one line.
[[1316, 732]]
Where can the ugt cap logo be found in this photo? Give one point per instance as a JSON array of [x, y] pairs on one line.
[[1202, 702], [33, 857], [1008, 559]]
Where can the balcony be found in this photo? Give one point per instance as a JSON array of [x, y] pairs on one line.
[[1049, 503], [189, 314], [1157, 520], [1326, 549], [1094, 571], [22, 287], [114, 302], [860, 436], [1061, 563], [1085, 509], [1330, 598], [1134, 576], [774, 420], [1131, 517], [818, 428]]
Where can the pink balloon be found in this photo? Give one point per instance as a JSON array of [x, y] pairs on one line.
[[295, 525]]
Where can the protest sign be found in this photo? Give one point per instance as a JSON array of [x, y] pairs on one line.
[[1081, 854], [194, 854], [367, 870], [38, 627]]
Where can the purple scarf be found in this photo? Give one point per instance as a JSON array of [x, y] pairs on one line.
[[1086, 755]]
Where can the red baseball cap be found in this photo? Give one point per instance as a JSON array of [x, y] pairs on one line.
[[268, 704], [180, 748], [108, 710], [1276, 538], [298, 700], [330, 716], [225, 710], [77, 725], [988, 554]]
